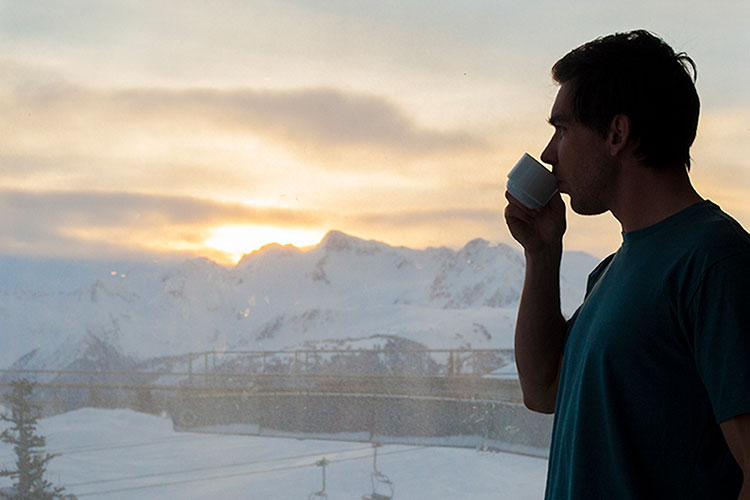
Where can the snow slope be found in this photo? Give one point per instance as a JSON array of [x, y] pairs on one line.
[[120, 454]]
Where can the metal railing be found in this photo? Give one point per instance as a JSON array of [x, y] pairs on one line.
[[444, 362], [350, 370]]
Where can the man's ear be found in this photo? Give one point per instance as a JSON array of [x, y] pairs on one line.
[[619, 134]]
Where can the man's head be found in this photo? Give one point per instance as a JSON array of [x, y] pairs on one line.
[[638, 75]]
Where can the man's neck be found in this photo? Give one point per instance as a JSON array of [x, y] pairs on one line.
[[649, 195]]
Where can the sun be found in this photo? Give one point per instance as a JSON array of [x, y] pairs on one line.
[[236, 241]]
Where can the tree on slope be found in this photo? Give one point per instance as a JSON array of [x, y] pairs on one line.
[[31, 460]]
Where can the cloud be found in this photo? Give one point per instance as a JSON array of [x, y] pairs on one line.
[[85, 223], [430, 217], [326, 119], [120, 224], [102, 209], [99, 225]]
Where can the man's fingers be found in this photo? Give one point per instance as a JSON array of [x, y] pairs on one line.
[[556, 201], [513, 201], [516, 212]]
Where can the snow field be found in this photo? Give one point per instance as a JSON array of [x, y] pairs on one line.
[[121, 454]]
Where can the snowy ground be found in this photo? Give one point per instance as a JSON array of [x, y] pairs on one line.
[[121, 454]]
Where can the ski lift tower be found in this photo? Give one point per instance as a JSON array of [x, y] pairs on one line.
[[321, 494]]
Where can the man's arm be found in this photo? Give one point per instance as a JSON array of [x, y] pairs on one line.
[[540, 327], [540, 332], [737, 434]]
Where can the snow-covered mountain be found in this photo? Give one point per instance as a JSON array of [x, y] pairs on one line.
[[343, 292]]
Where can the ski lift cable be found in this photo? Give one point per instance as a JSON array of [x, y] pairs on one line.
[[131, 444], [186, 481], [213, 467], [237, 474], [219, 467]]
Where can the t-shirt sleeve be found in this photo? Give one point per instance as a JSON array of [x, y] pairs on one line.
[[720, 312], [593, 278]]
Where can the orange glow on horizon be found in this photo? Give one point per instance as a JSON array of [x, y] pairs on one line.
[[236, 241]]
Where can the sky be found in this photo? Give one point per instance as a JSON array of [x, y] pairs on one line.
[[194, 128]]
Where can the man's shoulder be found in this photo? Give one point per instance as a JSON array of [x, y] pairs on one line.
[[713, 244], [717, 235]]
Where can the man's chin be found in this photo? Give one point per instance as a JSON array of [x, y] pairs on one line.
[[584, 209]]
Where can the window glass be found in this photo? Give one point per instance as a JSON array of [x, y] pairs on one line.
[[256, 249]]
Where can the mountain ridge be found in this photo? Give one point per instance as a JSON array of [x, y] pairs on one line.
[[279, 297]]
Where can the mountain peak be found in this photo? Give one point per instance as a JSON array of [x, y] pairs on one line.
[[476, 244], [344, 290], [482, 249], [271, 249], [338, 241], [198, 266]]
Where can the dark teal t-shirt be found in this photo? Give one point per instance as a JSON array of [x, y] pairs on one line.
[[656, 357]]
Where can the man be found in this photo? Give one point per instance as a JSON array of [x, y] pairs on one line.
[[650, 379]]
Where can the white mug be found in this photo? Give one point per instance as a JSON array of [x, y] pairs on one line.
[[531, 183]]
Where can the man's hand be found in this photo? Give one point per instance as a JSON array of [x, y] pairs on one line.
[[737, 434], [536, 230]]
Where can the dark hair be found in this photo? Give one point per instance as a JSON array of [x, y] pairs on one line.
[[639, 75]]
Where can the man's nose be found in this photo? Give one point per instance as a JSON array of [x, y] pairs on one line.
[[549, 154]]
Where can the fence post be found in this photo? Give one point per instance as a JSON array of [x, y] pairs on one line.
[[55, 401], [190, 368]]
